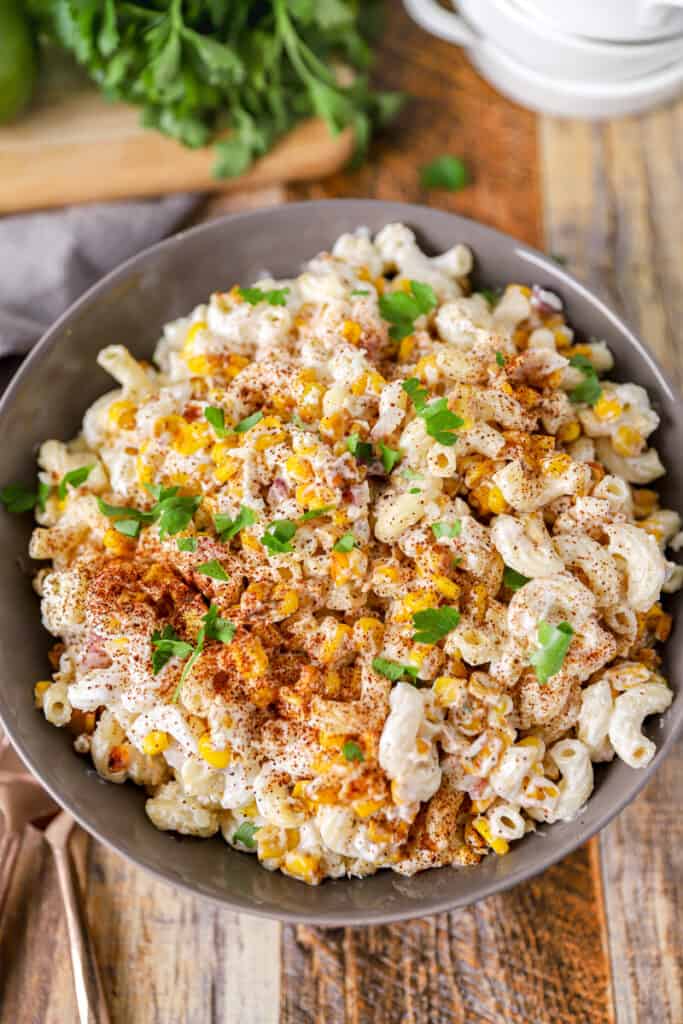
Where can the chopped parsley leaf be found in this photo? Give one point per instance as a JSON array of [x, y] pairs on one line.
[[352, 752], [278, 536], [447, 529], [513, 579], [439, 421], [394, 670], [402, 309], [17, 499], [274, 297], [390, 456], [360, 291], [128, 527], [228, 528], [492, 295], [361, 449], [245, 834], [314, 513], [172, 511], [216, 417], [169, 645], [345, 543], [500, 358], [214, 569], [447, 171], [187, 543], [589, 389], [248, 422], [554, 643], [166, 645], [74, 478], [433, 624]]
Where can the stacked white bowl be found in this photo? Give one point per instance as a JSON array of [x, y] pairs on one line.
[[573, 58]]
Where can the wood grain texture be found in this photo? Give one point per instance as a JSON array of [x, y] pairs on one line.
[[451, 110], [534, 954], [614, 208], [166, 957]]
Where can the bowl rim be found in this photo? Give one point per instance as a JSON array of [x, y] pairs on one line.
[[576, 837]]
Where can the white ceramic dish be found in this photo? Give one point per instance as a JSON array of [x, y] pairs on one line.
[[572, 99], [539, 46], [544, 93], [619, 20]]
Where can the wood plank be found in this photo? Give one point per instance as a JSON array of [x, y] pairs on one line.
[[614, 206], [534, 954], [451, 110], [537, 954], [164, 955]]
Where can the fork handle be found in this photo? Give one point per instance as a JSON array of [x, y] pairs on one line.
[[9, 848], [92, 1008]]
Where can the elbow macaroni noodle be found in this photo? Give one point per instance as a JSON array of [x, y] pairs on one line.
[[385, 575]]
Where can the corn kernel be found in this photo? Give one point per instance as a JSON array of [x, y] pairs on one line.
[[251, 659], [417, 601], [499, 846], [116, 542], [424, 365], [627, 442], [645, 502], [216, 758], [192, 438], [495, 500], [270, 843], [299, 469], [122, 414], [331, 646], [227, 469], [448, 588], [39, 691], [265, 441], [389, 572], [447, 689], [478, 471], [191, 336], [334, 427], [367, 628], [607, 408], [304, 866], [289, 602], [314, 496], [330, 740], [352, 331], [558, 464], [569, 432], [366, 808], [155, 742], [405, 348], [145, 472]]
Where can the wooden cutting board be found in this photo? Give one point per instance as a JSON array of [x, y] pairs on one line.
[[74, 146]]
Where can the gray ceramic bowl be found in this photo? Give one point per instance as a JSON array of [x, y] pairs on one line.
[[48, 398]]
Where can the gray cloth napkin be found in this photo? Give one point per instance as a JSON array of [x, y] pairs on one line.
[[48, 259]]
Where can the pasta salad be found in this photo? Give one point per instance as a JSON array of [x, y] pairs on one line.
[[365, 571]]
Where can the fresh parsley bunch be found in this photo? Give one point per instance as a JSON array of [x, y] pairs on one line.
[[240, 71]]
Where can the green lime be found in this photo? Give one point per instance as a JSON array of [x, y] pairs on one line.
[[17, 59]]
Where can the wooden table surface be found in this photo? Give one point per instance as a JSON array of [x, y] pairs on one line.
[[597, 938]]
